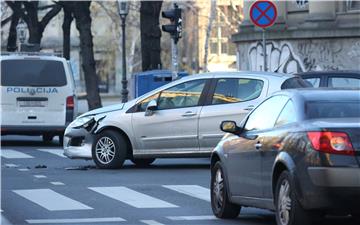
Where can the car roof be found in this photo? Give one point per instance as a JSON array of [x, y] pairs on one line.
[[322, 94], [238, 73], [23, 55], [343, 73]]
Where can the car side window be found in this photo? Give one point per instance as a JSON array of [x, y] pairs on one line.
[[315, 82], [287, 115], [232, 90], [265, 115], [141, 107], [344, 82], [186, 94]]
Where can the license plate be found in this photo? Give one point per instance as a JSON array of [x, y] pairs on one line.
[[32, 103]]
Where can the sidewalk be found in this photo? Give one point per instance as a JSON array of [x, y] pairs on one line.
[[105, 100]]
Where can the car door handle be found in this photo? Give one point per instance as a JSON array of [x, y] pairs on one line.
[[249, 108], [189, 114], [258, 146]]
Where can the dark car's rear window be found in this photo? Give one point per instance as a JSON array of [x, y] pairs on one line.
[[32, 72], [295, 82], [332, 109]]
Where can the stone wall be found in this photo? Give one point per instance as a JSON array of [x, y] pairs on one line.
[[299, 55]]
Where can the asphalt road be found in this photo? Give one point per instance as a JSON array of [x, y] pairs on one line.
[[40, 186]]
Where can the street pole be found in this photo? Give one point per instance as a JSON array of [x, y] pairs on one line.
[[124, 91], [174, 59], [264, 50]]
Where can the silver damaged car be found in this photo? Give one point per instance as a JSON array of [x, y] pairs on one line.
[[180, 119]]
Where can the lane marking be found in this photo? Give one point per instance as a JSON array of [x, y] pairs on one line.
[[57, 183], [133, 198], [10, 165], [39, 176], [75, 221], [151, 222], [51, 200], [177, 218], [195, 191], [54, 151], [12, 154], [23, 169]]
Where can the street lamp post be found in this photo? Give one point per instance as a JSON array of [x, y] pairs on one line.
[[123, 7], [21, 33]]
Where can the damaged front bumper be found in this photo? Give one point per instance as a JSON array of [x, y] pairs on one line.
[[78, 140]]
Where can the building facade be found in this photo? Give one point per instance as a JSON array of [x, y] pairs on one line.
[[307, 36]]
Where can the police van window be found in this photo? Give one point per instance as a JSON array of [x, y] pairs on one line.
[[30, 72]]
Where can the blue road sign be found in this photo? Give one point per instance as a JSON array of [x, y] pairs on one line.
[[263, 13]]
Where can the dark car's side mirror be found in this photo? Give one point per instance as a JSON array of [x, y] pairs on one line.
[[151, 107], [230, 127]]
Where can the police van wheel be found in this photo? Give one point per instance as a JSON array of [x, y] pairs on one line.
[[47, 138], [61, 139]]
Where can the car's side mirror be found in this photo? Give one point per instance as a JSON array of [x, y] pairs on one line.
[[151, 107], [230, 127]]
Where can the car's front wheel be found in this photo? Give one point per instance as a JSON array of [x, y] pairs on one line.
[[288, 209], [220, 204], [143, 162], [109, 150]]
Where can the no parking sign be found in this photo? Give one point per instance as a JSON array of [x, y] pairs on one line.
[[263, 13]]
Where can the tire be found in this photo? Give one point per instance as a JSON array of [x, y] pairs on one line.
[[109, 150], [143, 162], [47, 138], [288, 209], [220, 204], [61, 140]]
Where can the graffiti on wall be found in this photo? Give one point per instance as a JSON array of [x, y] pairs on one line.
[[321, 55], [280, 58], [355, 50]]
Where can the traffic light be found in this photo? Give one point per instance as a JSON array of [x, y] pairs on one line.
[[175, 28]]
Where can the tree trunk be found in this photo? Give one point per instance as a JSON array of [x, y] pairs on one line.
[[150, 34], [81, 12], [68, 18], [208, 33], [12, 38]]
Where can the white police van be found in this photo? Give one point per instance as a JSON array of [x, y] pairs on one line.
[[37, 95]]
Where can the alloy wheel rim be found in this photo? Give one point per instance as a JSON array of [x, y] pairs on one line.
[[105, 150], [218, 189], [284, 203]]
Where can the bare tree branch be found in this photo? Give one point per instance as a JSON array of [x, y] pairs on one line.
[[53, 12], [5, 21]]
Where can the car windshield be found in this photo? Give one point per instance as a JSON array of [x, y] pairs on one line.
[[332, 109], [32, 72]]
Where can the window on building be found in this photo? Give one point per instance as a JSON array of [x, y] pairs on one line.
[[352, 5]]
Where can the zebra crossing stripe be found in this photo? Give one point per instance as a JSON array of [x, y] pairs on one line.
[[195, 191], [54, 151], [51, 200], [178, 218], [131, 197], [76, 221], [151, 222], [12, 154]]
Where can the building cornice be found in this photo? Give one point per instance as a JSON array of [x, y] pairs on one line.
[[249, 33]]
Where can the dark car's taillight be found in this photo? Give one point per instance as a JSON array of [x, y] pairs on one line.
[[70, 102], [331, 142]]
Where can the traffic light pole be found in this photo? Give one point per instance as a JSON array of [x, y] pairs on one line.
[[174, 59]]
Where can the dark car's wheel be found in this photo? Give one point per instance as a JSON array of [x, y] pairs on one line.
[[288, 209], [220, 204], [143, 162], [109, 150], [47, 138]]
